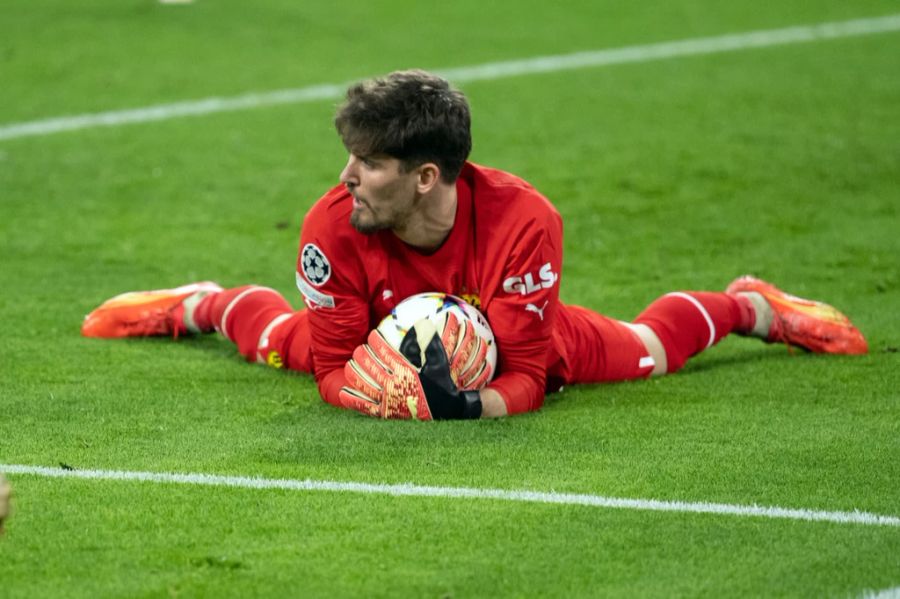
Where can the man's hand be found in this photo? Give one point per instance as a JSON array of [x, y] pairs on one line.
[[382, 383], [420, 381], [5, 492], [468, 367]]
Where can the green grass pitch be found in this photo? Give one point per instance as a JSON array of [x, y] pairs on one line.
[[672, 174]]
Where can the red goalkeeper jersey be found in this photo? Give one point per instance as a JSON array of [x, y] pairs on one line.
[[503, 255]]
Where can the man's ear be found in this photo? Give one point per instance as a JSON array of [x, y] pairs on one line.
[[429, 175]]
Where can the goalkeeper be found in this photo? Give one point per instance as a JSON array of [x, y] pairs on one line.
[[411, 215]]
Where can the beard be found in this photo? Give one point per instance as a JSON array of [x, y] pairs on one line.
[[391, 216], [364, 225]]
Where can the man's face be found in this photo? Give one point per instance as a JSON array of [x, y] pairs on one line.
[[384, 197]]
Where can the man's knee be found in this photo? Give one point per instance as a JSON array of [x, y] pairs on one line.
[[653, 346]]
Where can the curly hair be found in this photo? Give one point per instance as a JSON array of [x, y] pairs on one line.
[[413, 116]]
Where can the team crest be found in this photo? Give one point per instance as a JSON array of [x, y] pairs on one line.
[[315, 265], [473, 299]]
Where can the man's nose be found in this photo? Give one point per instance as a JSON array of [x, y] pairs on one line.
[[348, 175]]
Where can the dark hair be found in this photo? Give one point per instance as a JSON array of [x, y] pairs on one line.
[[413, 116]]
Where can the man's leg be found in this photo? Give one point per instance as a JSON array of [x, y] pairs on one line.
[[659, 341], [686, 323], [785, 318], [258, 320], [145, 313], [682, 324], [262, 324]]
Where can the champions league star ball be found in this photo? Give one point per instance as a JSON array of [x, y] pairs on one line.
[[435, 307]]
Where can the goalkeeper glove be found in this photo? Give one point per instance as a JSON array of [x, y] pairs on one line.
[[419, 381]]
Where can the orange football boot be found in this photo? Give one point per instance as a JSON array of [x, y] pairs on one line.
[[144, 313], [812, 325]]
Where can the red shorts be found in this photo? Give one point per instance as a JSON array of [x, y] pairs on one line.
[[592, 348], [290, 343]]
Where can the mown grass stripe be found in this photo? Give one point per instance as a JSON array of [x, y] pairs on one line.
[[487, 71], [413, 490]]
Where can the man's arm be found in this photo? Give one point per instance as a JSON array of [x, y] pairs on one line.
[[332, 279], [523, 310], [492, 404]]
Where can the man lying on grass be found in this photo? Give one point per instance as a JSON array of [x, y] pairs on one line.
[[412, 215]]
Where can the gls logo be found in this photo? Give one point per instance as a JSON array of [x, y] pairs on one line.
[[526, 284]]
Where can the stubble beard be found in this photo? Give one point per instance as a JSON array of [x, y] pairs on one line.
[[393, 221], [366, 227]]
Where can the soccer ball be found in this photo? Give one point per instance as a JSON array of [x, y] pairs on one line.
[[435, 307]]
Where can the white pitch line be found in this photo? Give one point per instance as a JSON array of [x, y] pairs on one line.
[[412, 490], [488, 71], [893, 593]]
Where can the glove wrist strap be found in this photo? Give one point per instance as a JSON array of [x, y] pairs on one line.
[[471, 405]]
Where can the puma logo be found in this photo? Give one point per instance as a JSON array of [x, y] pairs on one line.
[[536, 310]]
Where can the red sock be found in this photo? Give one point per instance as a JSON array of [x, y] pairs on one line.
[[242, 315], [748, 314], [687, 322]]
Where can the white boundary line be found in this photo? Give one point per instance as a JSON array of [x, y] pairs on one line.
[[412, 490], [893, 593], [487, 71]]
